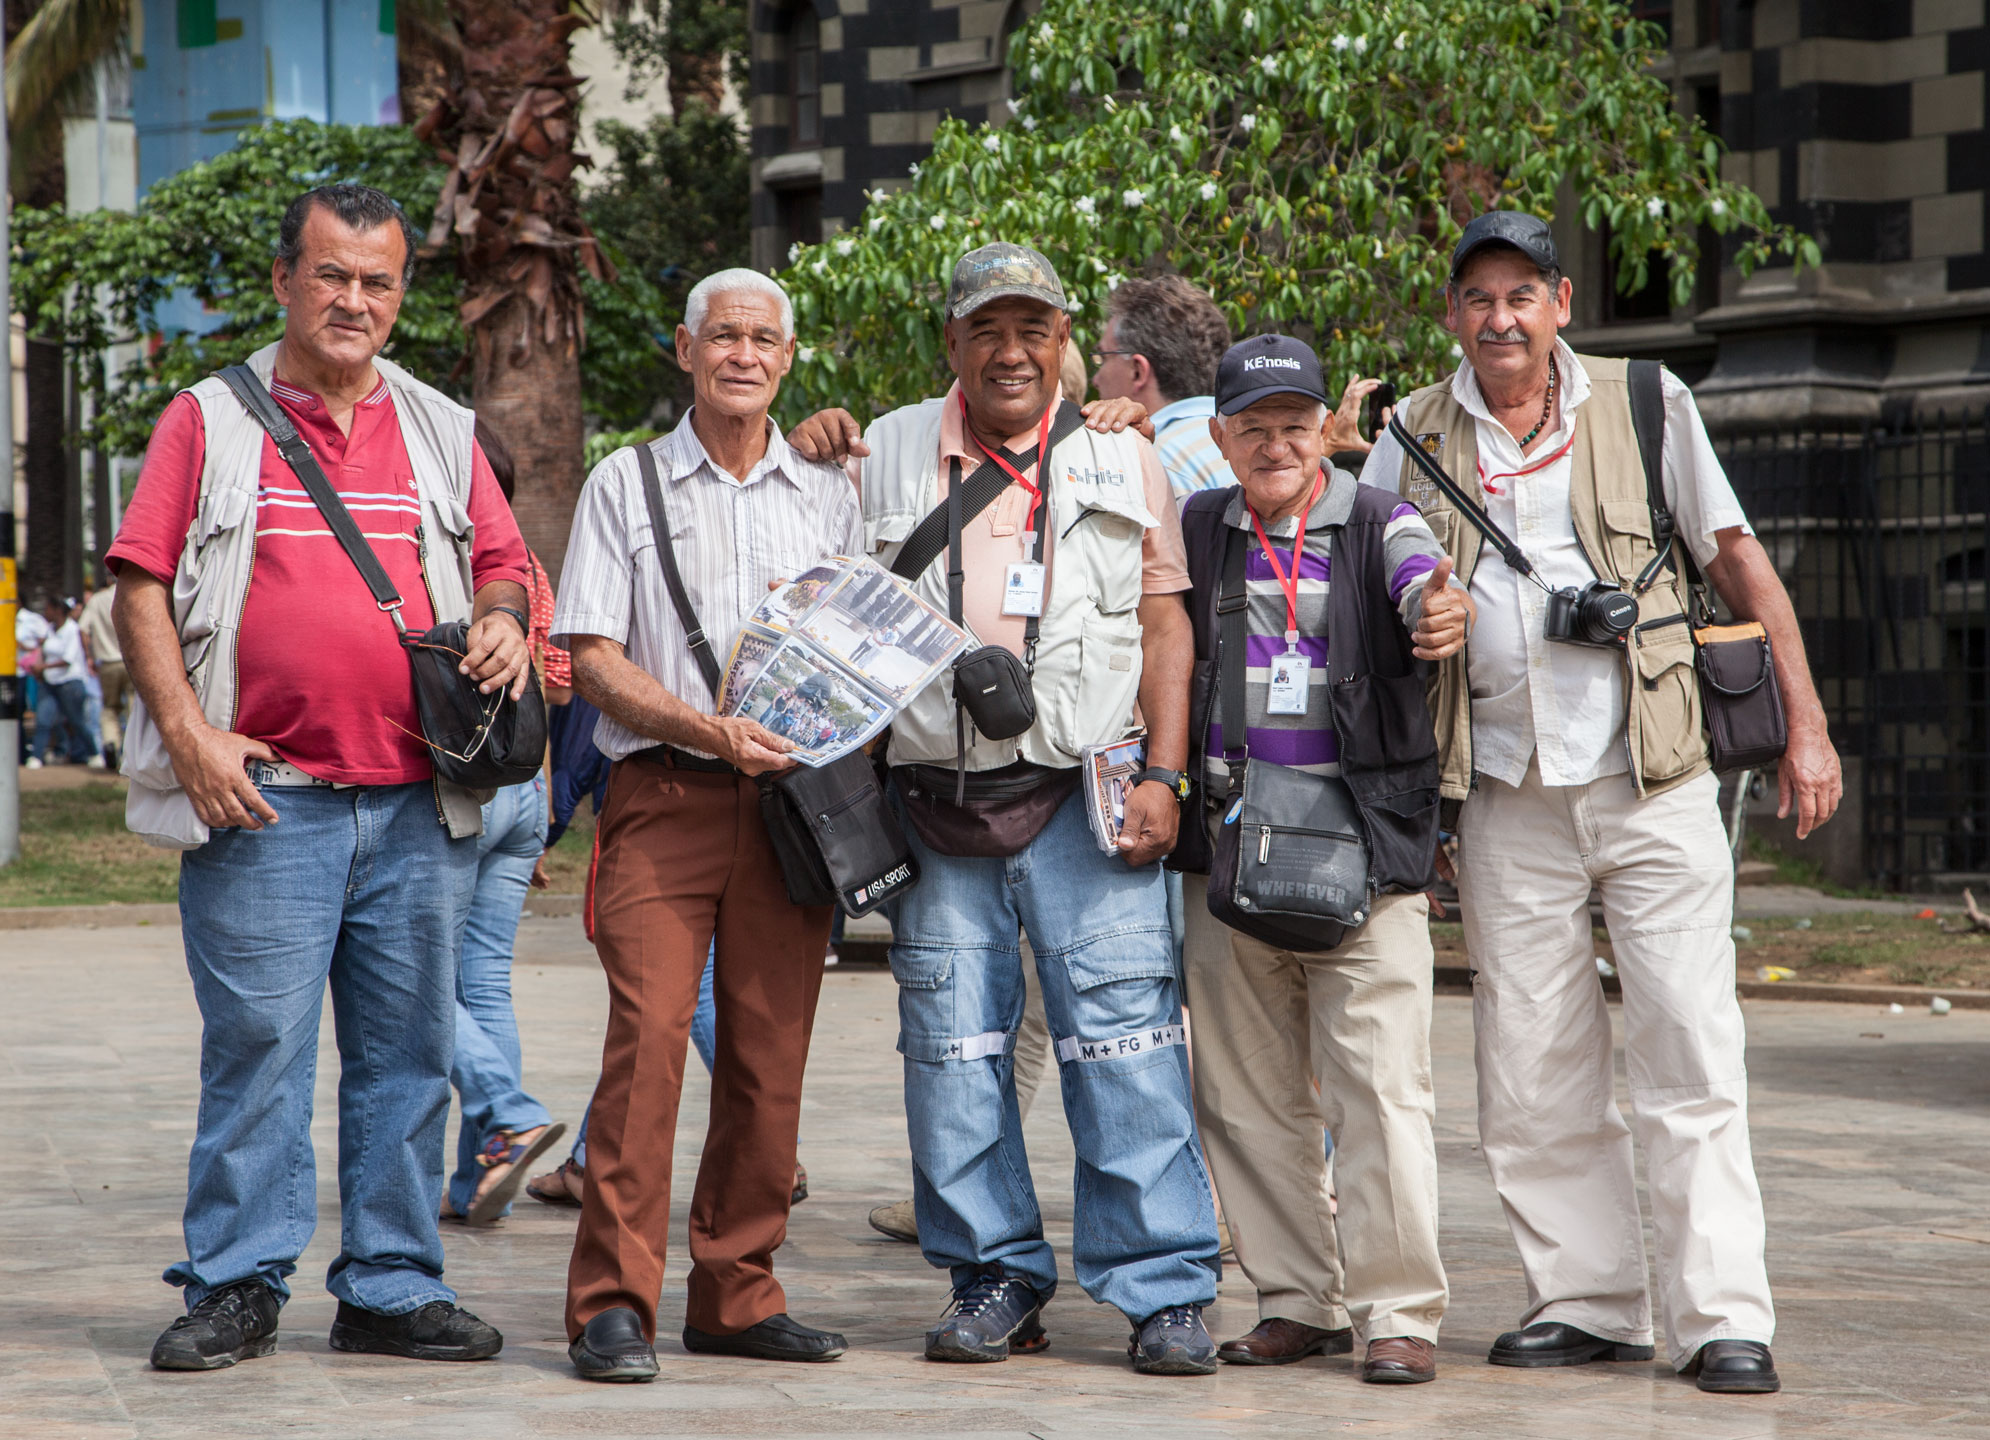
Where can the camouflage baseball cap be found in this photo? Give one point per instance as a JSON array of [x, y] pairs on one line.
[[1002, 269]]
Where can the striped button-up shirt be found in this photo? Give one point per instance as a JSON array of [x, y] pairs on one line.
[[731, 537]]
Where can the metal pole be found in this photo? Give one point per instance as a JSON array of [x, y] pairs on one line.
[[10, 682]]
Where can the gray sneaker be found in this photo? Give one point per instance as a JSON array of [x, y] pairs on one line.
[[992, 1318], [236, 1322], [1173, 1341]]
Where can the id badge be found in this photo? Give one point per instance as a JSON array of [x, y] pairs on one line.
[[1022, 588], [1289, 675]]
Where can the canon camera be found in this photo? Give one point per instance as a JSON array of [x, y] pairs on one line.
[[1598, 614]]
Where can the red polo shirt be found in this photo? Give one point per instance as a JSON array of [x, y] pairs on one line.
[[323, 680]]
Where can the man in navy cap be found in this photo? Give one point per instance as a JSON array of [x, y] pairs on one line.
[[1573, 753], [1346, 589]]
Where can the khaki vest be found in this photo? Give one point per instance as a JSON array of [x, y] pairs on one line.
[[211, 584], [1613, 525], [1088, 657]]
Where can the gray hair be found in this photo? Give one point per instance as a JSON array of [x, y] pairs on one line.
[[359, 207], [731, 282]]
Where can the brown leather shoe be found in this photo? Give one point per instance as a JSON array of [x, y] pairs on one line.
[[1279, 1341], [1399, 1360]]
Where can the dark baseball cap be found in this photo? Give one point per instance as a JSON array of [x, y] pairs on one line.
[[1529, 234], [1266, 365], [1002, 269]]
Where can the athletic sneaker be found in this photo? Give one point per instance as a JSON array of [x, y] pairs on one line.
[[236, 1322], [1173, 1342], [986, 1321]]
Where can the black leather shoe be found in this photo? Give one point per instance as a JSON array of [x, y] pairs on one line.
[[775, 1338], [1735, 1367], [236, 1322], [612, 1348], [437, 1331], [1552, 1343]]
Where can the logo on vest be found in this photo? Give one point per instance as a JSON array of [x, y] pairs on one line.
[[1096, 479]]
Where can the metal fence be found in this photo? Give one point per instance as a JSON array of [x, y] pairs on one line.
[[1883, 538]]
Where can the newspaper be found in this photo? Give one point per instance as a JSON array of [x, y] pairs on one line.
[[1108, 772], [827, 660]]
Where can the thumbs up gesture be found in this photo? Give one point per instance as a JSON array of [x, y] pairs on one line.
[[1448, 614]]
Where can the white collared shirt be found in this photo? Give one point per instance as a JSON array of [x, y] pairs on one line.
[[1531, 695], [730, 537]]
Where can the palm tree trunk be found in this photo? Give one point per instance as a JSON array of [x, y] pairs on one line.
[[506, 128]]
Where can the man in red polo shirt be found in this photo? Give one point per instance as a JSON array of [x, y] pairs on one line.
[[277, 740]]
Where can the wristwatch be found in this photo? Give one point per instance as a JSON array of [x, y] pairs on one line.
[[1173, 779], [523, 623]]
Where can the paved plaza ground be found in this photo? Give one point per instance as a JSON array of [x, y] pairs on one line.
[[1872, 1135]]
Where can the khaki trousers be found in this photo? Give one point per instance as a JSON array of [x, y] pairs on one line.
[[1267, 1023], [116, 683], [1554, 1139], [685, 856]]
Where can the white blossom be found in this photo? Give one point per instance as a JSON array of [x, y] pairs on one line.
[[1654, 207], [1719, 207], [1175, 134], [1098, 265], [1269, 64], [1361, 44], [877, 223], [845, 247], [1250, 19], [1074, 86], [1134, 199], [1379, 251], [1045, 33], [1112, 281], [1085, 205], [913, 170], [805, 354], [1402, 39], [794, 252], [1015, 106], [1247, 123], [1029, 122], [991, 143], [1036, 72], [1341, 42], [1209, 189], [1181, 29], [1457, 351], [938, 222], [820, 267]]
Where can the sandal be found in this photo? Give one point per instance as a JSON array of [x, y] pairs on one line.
[[563, 1186], [505, 1157]]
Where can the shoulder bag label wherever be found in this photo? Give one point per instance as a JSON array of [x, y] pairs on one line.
[[474, 740], [1290, 861], [835, 837]]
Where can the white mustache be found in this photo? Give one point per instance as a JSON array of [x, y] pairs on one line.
[[1514, 336]]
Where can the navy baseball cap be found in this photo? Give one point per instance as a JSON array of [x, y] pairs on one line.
[[1529, 234], [1266, 365]]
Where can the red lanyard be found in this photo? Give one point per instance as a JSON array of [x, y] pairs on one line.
[[1042, 435], [1492, 489], [1289, 583]]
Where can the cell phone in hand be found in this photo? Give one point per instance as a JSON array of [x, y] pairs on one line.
[[1381, 398]]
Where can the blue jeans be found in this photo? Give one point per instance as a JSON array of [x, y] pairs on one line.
[[1144, 1228], [703, 1022], [488, 1068], [362, 888], [71, 701]]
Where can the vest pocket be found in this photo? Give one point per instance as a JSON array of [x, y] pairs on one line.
[[1627, 533], [1666, 706], [1108, 680]]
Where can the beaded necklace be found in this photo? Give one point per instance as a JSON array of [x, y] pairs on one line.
[[1547, 408]]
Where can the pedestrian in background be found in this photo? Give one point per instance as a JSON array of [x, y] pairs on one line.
[[100, 636], [504, 1128], [65, 698], [1162, 341], [289, 764]]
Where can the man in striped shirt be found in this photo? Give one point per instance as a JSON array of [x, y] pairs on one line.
[[1286, 1042]]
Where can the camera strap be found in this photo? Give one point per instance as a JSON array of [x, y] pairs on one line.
[[1509, 549], [1648, 421]]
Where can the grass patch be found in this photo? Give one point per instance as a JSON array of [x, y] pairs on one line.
[[76, 851], [1794, 870]]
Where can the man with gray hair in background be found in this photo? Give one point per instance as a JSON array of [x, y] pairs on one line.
[[684, 855]]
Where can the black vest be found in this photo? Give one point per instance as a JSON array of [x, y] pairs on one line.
[[1375, 690]]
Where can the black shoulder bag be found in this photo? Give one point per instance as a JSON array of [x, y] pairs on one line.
[[474, 740], [836, 839], [992, 686], [1290, 862], [1746, 726]]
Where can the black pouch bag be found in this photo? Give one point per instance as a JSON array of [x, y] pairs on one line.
[[1289, 864], [835, 837], [474, 740]]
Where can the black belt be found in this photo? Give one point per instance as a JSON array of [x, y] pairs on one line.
[[672, 758]]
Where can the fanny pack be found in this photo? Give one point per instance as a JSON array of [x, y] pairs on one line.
[[992, 685], [474, 740], [1290, 859], [835, 838]]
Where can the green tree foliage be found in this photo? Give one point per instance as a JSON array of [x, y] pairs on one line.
[[211, 230], [1309, 162]]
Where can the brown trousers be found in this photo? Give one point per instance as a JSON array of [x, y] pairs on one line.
[[684, 855]]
